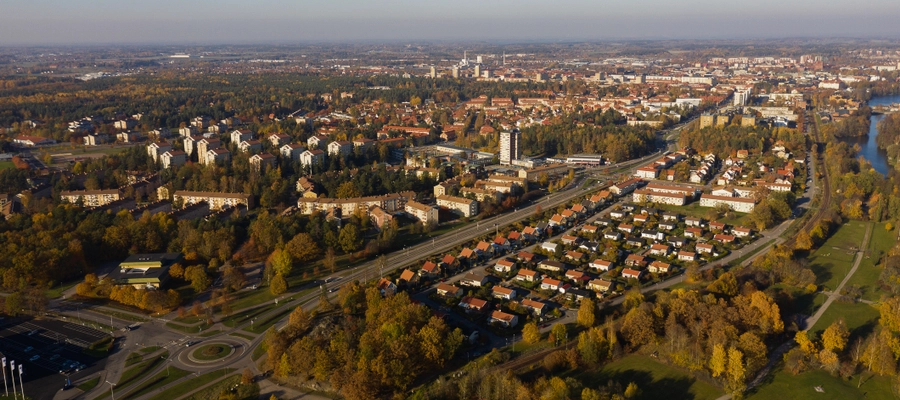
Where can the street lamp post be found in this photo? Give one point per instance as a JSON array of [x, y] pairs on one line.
[[5, 388], [12, 373], [111, 393]]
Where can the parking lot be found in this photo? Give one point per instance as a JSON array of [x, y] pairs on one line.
[[49, 349]]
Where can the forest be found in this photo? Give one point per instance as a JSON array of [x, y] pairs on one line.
[[889, 136]]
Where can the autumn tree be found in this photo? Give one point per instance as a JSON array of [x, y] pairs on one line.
[[718, 360], [278, 285], [558, 333], [530, 333], [835, 336], [302, 247], [281, 262], [586, 313], [735, 371]]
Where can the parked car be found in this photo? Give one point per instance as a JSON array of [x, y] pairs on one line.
[[34, 358]]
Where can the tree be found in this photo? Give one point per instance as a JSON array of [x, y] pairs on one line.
[[633, 298], [199, 279], [717, 360], [632, 391], [347, 190], [806, 345], [302, 247], [530, 333], [835, 336], [725, 285], [278, 285], [350, 238], [736, 371], [299, 319], [246, 377], [586, 313], [330, 261], [281, 262], [558, 333]]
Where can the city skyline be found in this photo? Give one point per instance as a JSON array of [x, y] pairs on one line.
[[280, 21]]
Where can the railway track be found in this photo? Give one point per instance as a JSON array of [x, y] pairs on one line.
[[825, 202]]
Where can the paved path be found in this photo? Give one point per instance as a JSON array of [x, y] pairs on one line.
[[811, 321], [777, 354]]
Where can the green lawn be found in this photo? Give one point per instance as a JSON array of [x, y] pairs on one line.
[[89, 384], [211, 352], [188, 329], [860, 318], [241, 335], [6, 165], [244, 317], [190, 385], [132, 359], [656, 380], [261, 325], [159, 380], [250, 391], [786, 386], [833, 260], [150, 349], [866, 276]]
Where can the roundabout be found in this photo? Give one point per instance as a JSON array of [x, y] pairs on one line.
[[212, 352]]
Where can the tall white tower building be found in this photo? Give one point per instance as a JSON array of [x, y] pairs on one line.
[[510, 146]]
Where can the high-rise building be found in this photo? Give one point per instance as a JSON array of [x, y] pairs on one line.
[[433, 72], [510, 146], [477, 71], [456, 72]]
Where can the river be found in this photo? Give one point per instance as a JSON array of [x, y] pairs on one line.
[[868, 148]]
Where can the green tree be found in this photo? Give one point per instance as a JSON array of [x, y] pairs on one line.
[[278, 285], [558, 333], [350, 238]]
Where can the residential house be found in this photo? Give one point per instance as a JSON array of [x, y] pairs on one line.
[[527, 275], [535, 307], [550, 265], [430, 269], [687, 256], [574, 256], [550, 284], [601, 265], [340, 148], [705, 248], [659, 267], [635, 260], [473, 279], [504, 265], [503, 293], [600, 285], [473, 304], [660, 250], [629, 273], [446, 290], [503, 319]]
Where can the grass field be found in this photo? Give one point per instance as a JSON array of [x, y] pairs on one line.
[[191, 385], [89, 384], [833, 260], [6, 165], [656, 380], [786, 386], [860, 318], [241, 335], [159, 380], [250, 391], [866, 276]]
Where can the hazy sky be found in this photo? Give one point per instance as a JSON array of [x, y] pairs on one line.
[[286, 21]]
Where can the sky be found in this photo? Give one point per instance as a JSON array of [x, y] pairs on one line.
[[51, 22]]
